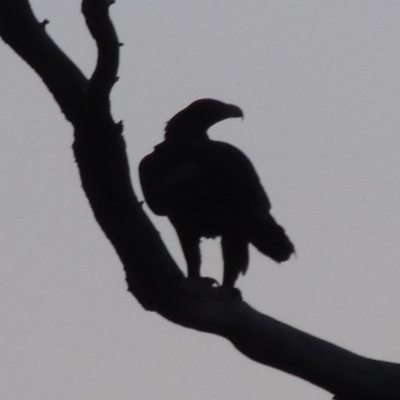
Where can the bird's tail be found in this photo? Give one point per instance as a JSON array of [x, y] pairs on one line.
[[271, 239]]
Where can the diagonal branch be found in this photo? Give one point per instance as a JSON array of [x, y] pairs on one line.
[[152, 276], [28, 38]]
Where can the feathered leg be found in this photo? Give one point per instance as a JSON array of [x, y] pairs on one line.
[[235, 252], [191, 250]]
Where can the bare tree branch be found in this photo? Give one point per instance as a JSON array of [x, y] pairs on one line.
[[28, 38], [152, 276]]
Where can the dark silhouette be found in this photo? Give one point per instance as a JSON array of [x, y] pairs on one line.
[[207, 189], [152, 276]]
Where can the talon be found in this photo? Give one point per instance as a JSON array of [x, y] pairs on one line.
[[206, 281], [232, 292]]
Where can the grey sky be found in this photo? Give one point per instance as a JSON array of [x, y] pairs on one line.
[[319, 83]]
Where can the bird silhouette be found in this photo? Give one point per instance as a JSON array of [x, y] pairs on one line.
[[209, 188]]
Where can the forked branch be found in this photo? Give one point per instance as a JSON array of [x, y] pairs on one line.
[[152, 276]]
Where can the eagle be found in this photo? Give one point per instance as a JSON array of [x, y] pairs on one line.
[[208, 189]]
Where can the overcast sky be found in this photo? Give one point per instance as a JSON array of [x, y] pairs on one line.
[[319, 83]]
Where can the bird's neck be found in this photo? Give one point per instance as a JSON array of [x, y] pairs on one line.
[[189, 134]]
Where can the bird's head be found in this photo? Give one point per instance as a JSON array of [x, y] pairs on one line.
[[199, 116]]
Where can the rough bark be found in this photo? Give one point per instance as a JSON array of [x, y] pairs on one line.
[[151, 274]]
